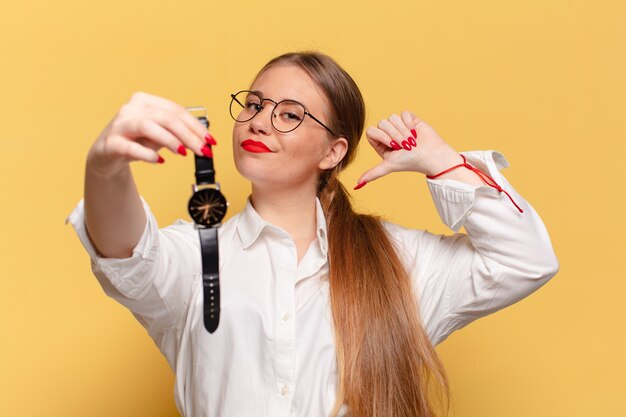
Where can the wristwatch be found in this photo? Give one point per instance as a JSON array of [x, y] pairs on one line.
[[207, 207]]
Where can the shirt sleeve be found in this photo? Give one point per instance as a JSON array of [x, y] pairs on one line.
[[504, 256], [155, 283]]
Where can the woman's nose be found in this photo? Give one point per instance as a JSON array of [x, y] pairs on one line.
[[261, 122]]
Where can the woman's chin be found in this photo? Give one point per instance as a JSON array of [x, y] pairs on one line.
[[251, 171], [267, 177]]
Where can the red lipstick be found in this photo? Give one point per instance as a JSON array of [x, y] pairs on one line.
[[254, 146]]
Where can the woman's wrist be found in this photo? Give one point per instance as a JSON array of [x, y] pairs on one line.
[[442, 159], [97, 165], [445, 158]]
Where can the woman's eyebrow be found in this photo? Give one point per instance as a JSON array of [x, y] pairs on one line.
[[258, 93]]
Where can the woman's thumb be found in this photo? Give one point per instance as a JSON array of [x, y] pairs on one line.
[[378, 171]]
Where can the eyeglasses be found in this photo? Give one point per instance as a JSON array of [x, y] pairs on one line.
[[286, 116]]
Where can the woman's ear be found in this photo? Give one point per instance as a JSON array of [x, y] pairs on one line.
[[336, 151]]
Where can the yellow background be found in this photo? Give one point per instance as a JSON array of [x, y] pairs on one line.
[[542, 82]]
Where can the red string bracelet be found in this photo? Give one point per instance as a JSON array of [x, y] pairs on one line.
[[480, 174]]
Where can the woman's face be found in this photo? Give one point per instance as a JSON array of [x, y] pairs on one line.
[[295, 158]]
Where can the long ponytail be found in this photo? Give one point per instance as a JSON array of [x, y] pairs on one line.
[[384, 356]]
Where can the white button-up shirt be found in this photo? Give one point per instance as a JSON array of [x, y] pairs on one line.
[[273, 353]]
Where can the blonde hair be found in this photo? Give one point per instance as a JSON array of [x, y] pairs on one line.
[[387, 365]]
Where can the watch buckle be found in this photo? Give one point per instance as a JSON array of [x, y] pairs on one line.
[[197, 187]]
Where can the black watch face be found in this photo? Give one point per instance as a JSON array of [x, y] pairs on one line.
[[207, 207]]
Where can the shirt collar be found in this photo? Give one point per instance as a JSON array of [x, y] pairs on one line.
[[251, 224]]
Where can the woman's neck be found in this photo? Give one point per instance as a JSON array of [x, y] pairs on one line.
[[293, 210]]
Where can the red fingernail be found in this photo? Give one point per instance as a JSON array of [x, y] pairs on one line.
[[395, 145], [360, 185], [181, 150], [414, 133], [412, 141], [206, 151], [160, 160], [406, 145], [209, 139]]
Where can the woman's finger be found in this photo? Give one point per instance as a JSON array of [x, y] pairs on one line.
[[400, 125], [387, 127], [416, 120], [134, 151], [195, 125], [380, 141], [180, 130], [409, 120], [373, 174], [161, 137]]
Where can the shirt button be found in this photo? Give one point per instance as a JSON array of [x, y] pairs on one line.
[[285, 316], [284, 390]]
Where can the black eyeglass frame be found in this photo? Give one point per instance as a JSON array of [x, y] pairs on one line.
[[306, 112]]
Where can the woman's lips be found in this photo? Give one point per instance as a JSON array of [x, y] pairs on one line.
[[254, 146]]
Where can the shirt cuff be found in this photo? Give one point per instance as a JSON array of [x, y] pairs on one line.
[[119, 271], [454, 199]]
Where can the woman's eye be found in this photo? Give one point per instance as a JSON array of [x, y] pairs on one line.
[[255, 106], [291, 116]]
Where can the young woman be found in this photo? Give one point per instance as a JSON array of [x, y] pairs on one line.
[[323, 311]]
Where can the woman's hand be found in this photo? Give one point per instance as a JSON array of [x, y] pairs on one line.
[[114, 215], [406, 143], [141, 127]]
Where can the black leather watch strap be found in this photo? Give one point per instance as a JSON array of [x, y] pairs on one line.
[[210, 277], [205, 173]]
